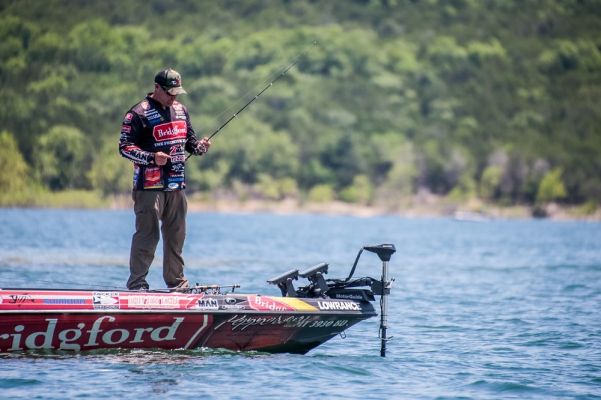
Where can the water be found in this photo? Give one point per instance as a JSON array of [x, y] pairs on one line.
[[499, 309]]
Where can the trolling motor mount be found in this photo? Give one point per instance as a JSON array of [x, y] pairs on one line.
[[359, 289]]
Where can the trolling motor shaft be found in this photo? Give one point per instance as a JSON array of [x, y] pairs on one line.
[[384, 252]]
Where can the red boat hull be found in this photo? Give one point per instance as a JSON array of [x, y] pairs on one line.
[[79, 320]]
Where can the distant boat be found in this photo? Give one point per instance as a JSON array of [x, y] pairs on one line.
[[200, 316], [470, 216]]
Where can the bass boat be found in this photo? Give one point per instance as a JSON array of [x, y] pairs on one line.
[[200, 316]]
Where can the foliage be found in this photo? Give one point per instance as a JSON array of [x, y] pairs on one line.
[[459, 98], [551, 187], [360, 191], [111, 175], [14, 178], [489, 182], [322, 193], [15, 175], [62, 158]]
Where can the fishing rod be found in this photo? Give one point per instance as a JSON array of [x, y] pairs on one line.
[[270, 84]]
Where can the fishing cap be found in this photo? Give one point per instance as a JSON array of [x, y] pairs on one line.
[[170, 80]]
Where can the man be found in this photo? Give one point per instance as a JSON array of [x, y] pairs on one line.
[[155, 135]]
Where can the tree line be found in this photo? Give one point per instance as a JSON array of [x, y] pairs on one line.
[[496, 99]]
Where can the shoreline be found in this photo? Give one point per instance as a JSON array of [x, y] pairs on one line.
[[470, 211], [429, 206]]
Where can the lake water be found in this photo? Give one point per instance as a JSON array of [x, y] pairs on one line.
[[488, 310]]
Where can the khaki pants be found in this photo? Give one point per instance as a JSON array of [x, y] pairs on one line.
[[152, 206]]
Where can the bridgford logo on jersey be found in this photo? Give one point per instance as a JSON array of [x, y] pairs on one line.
[[96, 332], [169, 131]]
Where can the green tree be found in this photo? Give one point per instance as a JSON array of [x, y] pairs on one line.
[[14, 178], [322, 193], [360, 191], [110, 173], [63, 158], [551, 187], [489, 182]]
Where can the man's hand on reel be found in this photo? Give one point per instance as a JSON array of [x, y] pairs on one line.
[[202, 146]]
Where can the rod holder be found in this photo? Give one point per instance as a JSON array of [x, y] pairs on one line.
[[315, 276], [284, 282]]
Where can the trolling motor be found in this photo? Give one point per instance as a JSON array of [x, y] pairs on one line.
[[359, 289], [378, 287], [384, 252]]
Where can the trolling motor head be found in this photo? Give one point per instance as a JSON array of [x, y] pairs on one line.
[[384, 251]]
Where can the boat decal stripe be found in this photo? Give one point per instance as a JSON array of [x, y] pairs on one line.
[[297, 304], [205, 323]]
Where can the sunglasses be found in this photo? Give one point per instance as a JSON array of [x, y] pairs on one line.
[[165, 89]]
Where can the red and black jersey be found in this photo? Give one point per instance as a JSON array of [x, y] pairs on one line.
[[149, 128]]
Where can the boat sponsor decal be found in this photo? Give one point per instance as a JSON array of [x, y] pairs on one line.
[[105, 300], [63, 301], [234, 303], [243, 322], [102, 300], [349, 296], [337, 323], [43, 300], [210, 304], [20, 298], [267, 303], [297, 304], [338, 306], [89, 332], [237, 307], [147, 301]]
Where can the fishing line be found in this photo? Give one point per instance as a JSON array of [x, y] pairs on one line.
[[269, 81], [278, 75]]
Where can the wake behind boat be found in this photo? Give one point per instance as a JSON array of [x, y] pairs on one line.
[[201, 316]]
